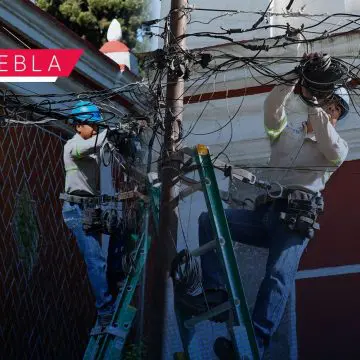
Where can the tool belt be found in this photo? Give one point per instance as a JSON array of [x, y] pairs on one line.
[[87, 200], [94, 219], [299, 209]]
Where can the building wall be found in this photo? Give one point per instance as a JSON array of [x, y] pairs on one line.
[[327, 287], [47, 308], [242, 15]]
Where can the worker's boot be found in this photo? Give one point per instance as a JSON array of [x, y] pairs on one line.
[[224, 349]]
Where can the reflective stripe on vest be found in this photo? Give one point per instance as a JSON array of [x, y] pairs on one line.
[[69, 169], [275, 133]]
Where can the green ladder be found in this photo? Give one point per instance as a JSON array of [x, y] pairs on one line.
[[241, 328]]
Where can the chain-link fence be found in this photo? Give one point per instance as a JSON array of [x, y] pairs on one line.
[[47, 308]]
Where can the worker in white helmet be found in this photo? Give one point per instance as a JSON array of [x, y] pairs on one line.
[[315, 145]]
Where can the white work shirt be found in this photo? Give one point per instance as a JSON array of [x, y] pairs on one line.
[[301, 159], [82, 165]]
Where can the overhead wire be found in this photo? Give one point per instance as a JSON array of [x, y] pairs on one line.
[[155, 87]]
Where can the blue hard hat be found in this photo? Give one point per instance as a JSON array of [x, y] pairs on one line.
[[86, 111]]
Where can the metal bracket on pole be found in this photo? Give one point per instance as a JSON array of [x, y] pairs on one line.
[[188, 151], [154, 187], [184, 193], [131, 194], [240, 174]]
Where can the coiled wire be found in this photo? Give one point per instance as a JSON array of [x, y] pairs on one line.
[[186, 273]]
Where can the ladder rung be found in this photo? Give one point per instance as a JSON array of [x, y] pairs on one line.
[[204, 249], [208, 315], [112, 330]]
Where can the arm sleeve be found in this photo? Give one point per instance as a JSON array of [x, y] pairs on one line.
[[333, 147], [275, 119], [82, 148]]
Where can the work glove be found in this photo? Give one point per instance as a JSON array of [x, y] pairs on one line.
[[125, 143]]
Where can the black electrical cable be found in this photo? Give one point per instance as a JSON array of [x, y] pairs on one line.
[[258, 22], [289, 5]]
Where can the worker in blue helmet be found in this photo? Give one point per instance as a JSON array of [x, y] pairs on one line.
[[81, 208], [86, 112]]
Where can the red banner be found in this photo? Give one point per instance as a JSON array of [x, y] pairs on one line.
[[38, 63]]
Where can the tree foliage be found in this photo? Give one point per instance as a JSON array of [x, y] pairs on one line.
[[91, 18]]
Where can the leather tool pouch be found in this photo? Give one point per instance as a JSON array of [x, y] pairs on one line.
[[91, 220], [302, 212]]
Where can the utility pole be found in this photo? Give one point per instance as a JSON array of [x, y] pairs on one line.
[[165, 245]]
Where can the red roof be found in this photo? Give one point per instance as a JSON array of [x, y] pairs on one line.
[[114, 46]]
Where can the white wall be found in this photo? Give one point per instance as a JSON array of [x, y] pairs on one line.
[[246, 20], [234, 21]]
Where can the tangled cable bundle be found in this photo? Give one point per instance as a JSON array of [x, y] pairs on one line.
[[186, 273], [321, 75]]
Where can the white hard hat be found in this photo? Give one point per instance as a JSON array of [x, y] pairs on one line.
[[343, 95]]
